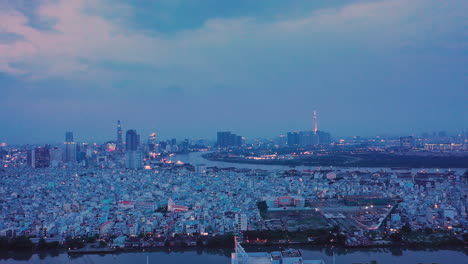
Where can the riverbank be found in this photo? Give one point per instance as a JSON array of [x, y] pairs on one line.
[[222, 256], [373, 160], [252, 239], [248, 247]]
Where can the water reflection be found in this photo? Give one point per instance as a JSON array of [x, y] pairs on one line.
[[220, 255]]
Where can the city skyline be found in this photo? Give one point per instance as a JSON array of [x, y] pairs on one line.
[[189, 69], [147, 133]]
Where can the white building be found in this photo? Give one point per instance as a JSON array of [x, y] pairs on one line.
[[289, 256], [241, 222]]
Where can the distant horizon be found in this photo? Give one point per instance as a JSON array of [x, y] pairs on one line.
[[212, 137]]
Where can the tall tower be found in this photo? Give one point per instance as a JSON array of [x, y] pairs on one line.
[[134, 158], [315, 122], [69, 137], [69, 154], [131, 142], [119, 132]]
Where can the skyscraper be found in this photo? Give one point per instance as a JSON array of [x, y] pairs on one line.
[[119, 132], [134, 158], [55, 156], [293, 138], [131, 140], [68, 136], [309, 138], [69, 153], [227, 139], [40, 157], [152, 142]]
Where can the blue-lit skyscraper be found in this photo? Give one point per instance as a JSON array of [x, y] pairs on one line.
[[134, 157], [227, 139], [68, 136], [131, 140], [69, 153]]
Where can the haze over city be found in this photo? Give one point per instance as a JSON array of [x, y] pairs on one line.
[[235, 131], [258, 68]]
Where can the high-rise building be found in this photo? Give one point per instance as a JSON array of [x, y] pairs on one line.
[[68, 136], [282, 140], [119, 133], [324, 138], [227, 139], [185, 144], [162, 146], [152, 138], [223, 139], [152, 142], [131, 140], [309, 138], [293, 139], [55, 156], [81, 153], [134, 158], [40, 157], [69, 153]]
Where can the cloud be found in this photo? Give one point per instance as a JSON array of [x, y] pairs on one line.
[[83, 37]]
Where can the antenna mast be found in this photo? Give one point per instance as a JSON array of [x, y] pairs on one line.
[[315, 122]]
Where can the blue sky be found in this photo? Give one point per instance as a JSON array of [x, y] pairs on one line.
[[256, 68]]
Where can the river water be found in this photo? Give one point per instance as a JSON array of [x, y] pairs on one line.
[[341, 256], [196, 158], [193, 256]]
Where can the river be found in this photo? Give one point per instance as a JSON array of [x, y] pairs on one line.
[[196, 158], [342, 256]]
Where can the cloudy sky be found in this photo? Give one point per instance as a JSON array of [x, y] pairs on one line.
[[257, 68]]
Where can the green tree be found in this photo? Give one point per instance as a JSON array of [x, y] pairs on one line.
[[406, 229], [221, 241], [21, 242], [162, 209], [46, 245], [42, 244], [102, 243], [4, 243], [465, 237], [336, 229], [75, 243], [428, 231], [395, 237], [263, 208]]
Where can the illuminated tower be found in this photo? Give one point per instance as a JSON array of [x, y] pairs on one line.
[[152, 138], [69, 137], [152, 141], [315, 123], [69, 154], [119, 132]]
